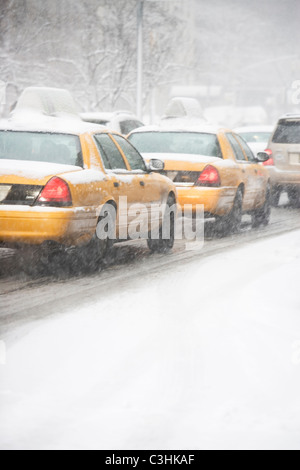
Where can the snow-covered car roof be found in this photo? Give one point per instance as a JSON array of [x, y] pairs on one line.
[[180, 107], [290, 116], [107, 116], [34, 122], [188, 126], [53, 110]]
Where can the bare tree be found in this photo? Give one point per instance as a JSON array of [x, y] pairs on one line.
[[88, 47]]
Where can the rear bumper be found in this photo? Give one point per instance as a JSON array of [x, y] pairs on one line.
[[282, 178], [216, 201], [37, 225]]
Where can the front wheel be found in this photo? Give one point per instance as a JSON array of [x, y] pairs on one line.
[[166, 236], [275, 197], [294, 197]]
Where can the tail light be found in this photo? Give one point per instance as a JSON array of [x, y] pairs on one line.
[[269, 162], [55, 193], [209, 177]]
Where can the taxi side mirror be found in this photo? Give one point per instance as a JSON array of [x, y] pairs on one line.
[[156, 165], [262, 157]]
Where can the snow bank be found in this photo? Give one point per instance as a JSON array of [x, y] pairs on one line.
[[205, 356]]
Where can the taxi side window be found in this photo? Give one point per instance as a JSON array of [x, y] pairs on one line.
[[111, 156], [246, 148], [239, 154], [135, 160]]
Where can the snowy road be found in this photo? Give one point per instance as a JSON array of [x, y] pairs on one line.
[[25, 297], [189, 351]]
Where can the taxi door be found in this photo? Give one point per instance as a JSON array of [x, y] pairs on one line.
[[147, 186], [122, 187], [258, 170], [248, 173]]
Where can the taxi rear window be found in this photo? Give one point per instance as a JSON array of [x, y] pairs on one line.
[[41, 147], [193, 143]]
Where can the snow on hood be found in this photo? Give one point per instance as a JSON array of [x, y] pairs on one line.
[[179, 157], [188, 158], [179, 125]]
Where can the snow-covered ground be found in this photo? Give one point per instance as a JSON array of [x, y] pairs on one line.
[[206, 356]]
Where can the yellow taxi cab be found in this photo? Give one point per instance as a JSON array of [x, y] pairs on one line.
[[213, 167], [60, 177]]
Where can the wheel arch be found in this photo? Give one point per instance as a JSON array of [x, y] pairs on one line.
[[173, 195]]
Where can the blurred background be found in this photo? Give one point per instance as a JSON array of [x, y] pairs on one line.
[[240, 59]]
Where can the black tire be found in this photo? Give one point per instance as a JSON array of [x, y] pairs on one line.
[[52, 259], [232, 222], [262, 215], [98, 251], [162, 244], [294, 197], [275, 197]]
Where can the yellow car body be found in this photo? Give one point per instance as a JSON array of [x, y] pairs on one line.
[[77, 191], [225, 154]]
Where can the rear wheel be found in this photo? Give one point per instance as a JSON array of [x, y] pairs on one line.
[[98, 251], [275, 197], [232, 222], [166, 236], [294, 197], [262, 215]]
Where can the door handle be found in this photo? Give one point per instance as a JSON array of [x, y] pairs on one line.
[[142, 184], [116, 185]]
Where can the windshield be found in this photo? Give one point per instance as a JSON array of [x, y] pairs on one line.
[[257, 137], [41, 147], [194, 143], [287, 132]]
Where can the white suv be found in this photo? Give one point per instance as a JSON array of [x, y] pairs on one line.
[[284, 162]]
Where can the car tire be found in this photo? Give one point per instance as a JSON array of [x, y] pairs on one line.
[[262, 215], [232, 222], [275, 197], [294, 197], [162, 245], [98, 251]]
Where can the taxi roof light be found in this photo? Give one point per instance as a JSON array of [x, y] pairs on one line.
[[55, 193]]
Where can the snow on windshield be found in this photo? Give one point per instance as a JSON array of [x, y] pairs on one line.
[[40, 147], [192, 143]]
